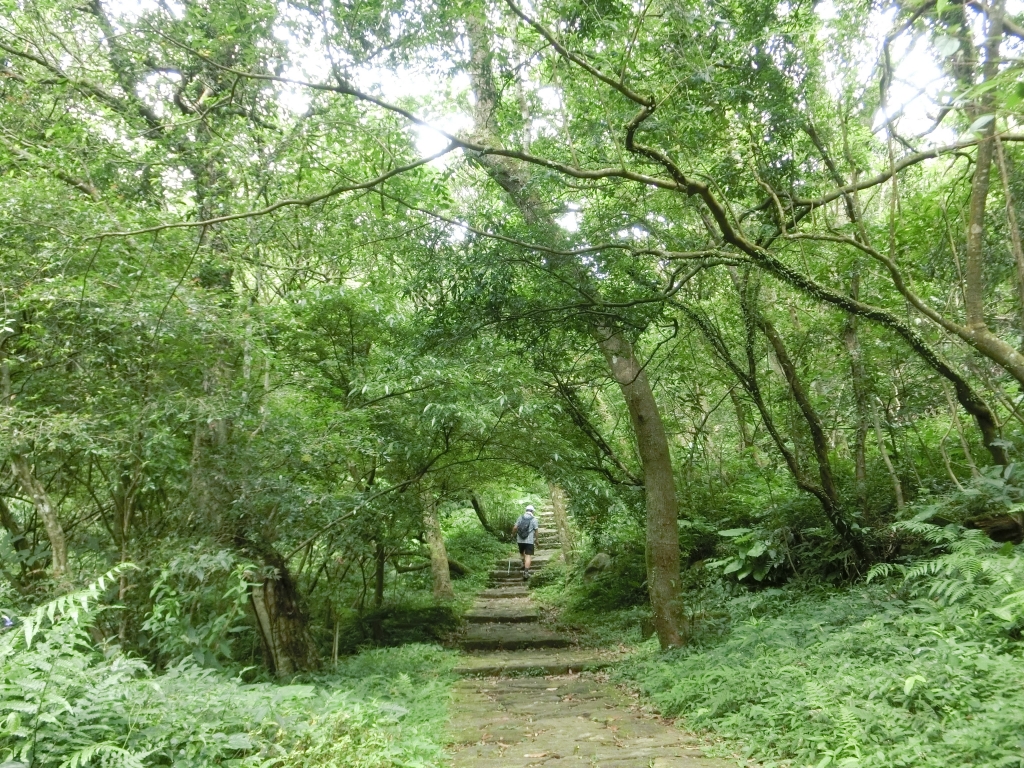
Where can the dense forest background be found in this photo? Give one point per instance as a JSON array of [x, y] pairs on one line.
[[301, 303]]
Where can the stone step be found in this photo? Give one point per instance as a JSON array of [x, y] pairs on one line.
[[510, 637], [515, 570], [541, 557], [538, 662], [518, 581], [505, 592], [516, 574], [503, 612]]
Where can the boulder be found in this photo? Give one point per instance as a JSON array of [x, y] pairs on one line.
[[600, 562]]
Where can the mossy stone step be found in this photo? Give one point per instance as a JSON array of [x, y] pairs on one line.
[[503, 612], [554, 661], [505, 592], [510, 637], [515, 575]]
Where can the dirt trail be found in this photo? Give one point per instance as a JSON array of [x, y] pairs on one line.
[[564, 713]]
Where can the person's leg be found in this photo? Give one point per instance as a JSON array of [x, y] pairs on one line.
[[526, 560], [522, 556]]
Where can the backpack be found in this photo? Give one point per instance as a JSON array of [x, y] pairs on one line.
[[524, 526]]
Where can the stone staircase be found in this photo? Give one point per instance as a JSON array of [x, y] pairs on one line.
[[504, 634], [524, 704], [505, 618]]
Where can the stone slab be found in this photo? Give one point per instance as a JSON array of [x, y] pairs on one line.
[[510, 637], [545, 661], [503, 612], [506, 592], [539, 558], [575, 720]]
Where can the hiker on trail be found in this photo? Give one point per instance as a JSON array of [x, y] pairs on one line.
[[525, 530]]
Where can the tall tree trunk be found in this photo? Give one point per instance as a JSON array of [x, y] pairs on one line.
[[749, 380], [282, 623], [435, 543], [965, 446], [894, 478], [974, 269], [35, 490], [47, 512], [662, 548], [662, 544], [807, 410], [560, 513], [746, 439], [826, 490], [832, 502], [861, 394], [1014, 228], [379, 562], [481, 514]]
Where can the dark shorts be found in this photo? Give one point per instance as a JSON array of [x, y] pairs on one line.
[[526, 549]]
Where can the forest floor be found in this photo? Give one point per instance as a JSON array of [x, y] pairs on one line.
[[528, 699]]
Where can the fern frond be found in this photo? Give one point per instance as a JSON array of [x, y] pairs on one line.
[[115, 757], [72, 605], [884, 571]]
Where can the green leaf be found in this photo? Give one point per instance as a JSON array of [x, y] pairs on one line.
[[979, 125], [910, 682], [946, 46], [733, 566]]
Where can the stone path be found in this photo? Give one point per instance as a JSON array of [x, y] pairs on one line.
[[565, 712]]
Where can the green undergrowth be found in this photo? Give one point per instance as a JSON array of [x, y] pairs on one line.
[[410, 614], [921, 664], [599, 612], [861, 677], [65, 703]]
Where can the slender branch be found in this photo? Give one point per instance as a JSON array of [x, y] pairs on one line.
[[347, 89], [617, 84], [302, 201], [900, 165]]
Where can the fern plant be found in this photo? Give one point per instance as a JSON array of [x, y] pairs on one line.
[[58, 707], [66, 704], [970, 569]]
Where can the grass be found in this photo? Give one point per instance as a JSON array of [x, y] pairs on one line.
[[380, 710]]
